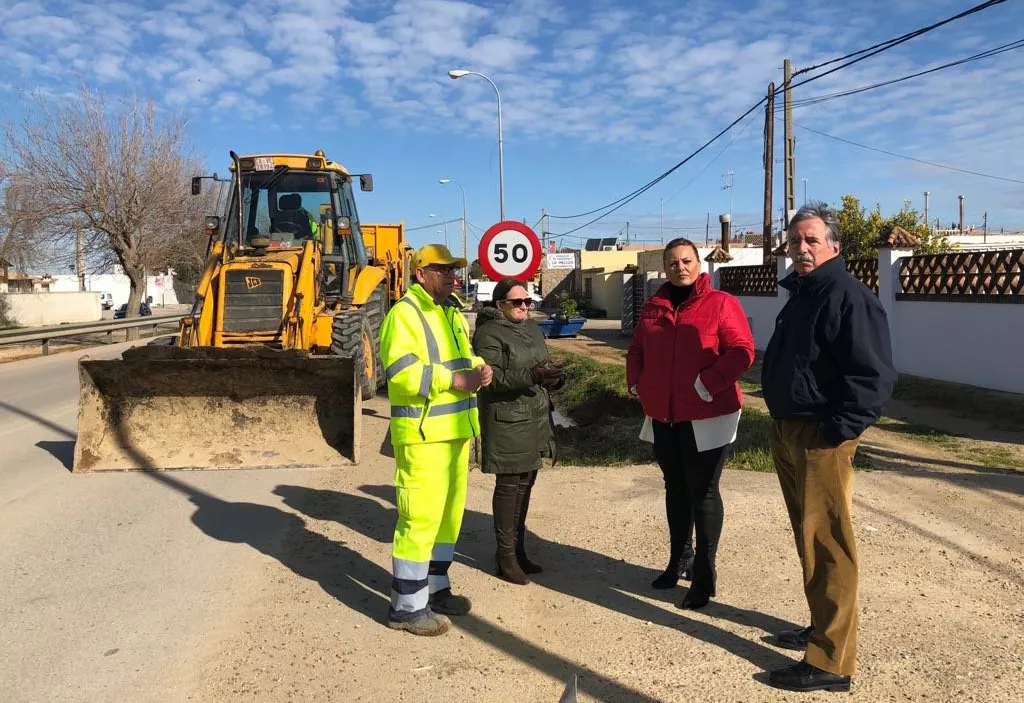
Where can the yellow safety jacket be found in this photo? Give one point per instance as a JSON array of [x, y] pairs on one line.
[[422, 344]]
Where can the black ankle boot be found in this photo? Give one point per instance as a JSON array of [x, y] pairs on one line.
[[525, 564], [677, 569], [697, 597]]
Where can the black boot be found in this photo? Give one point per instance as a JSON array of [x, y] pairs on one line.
[[522, 508], [679, 568], [702, 589], [504, 507]]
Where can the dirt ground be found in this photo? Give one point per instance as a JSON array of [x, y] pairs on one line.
[[942, 580]]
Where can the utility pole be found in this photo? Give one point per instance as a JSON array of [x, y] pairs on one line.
[[707, 230], [985, 235], [627, 232], [769, 156], [79, 256], [662, 201], [961, 199], [790, 147], [926, 222]]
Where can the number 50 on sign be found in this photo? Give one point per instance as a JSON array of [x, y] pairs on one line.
[[509, 250]]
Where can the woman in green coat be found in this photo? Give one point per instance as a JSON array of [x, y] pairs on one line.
[[515, 425]]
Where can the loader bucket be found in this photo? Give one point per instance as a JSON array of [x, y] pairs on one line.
[[211, 408]]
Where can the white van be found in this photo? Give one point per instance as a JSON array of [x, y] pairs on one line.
[[106, 300], [483, 291]]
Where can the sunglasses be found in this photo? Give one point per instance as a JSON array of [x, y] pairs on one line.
[[517, 302], [443, 270]]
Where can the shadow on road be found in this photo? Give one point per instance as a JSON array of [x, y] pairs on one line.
[[574, 571]]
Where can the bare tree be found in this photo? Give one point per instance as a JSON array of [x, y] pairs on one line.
[[117, 171]]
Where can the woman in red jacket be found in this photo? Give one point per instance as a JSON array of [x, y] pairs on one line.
[[689, 349]]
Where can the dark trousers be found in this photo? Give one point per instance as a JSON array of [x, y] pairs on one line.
[[510, 504], [817, 485], [692, 496]]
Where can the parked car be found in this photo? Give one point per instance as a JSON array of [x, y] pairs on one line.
[[106, 300], [123, 310]]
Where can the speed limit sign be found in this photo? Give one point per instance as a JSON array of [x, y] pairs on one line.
[[509, 250]]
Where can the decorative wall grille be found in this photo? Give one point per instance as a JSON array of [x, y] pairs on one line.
[[865, 271], [964, 277], [759, 281]]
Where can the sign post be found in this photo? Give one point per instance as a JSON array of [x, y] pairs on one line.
[[510, 250]]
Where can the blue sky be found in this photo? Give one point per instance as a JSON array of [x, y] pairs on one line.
[[598, 98]]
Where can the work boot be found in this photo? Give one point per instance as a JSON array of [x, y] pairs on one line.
[[794, 639], [425, 622], [804, 677], [447, 603]]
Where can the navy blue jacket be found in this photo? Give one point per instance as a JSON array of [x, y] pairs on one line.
[[830, 357]]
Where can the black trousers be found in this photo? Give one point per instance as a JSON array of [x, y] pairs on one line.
[[692, 495]]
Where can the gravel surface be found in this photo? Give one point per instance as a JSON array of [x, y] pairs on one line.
[[941, 615]]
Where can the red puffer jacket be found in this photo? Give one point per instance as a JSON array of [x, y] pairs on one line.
[[708, 335]]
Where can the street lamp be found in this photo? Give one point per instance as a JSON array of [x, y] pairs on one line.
[[459, 73], [445, 222], [805, 190], [465, 274]]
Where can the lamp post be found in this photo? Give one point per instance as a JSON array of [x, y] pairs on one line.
[[445, 223], [459, 73], [805, 190], [465, 273]]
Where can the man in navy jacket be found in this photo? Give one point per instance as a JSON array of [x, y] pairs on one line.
[[827, 374]]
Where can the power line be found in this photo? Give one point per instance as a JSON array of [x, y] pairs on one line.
[[432, 224], [888, 44], [911, 158], [976, 57], [643, 189], [861, 56]]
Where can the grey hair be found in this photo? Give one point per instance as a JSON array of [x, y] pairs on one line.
[[823, 212]]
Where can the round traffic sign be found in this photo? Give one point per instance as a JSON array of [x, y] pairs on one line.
[[509, 250]]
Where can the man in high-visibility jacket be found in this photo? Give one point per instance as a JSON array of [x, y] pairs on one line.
[[432, 377]]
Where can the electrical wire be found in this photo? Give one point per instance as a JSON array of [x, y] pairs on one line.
[[888, 44], [910, 158], [860, 55], [1011, 46], [432, 224], [643, 189]]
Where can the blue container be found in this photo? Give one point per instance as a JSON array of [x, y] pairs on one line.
[[561, 327]]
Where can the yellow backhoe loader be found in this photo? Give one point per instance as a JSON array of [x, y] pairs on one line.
[[281, 345]]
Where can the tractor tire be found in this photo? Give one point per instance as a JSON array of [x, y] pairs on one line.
[[375, 309], [353, 339]]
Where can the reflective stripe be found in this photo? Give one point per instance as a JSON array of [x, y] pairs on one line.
[[409, 570], [438, 583], [412, 602], [412, 411], [432, 349], [452, 408], [458, 364], [443, 552], [425, 381], [400, 365]]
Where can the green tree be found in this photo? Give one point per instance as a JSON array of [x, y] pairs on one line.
[[860, 230], [475, 269]]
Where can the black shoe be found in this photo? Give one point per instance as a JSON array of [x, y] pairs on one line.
[[697, 597], [794, 639], [676, 570], [447, 603], [804, 677]]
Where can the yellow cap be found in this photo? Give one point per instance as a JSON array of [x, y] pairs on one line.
[[435, 254]]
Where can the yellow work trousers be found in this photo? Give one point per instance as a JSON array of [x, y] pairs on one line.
[[817, 484], [430, 482]]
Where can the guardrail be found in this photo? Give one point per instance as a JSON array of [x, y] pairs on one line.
[[45, 334]]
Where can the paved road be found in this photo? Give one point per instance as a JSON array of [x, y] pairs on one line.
[[117, 586]]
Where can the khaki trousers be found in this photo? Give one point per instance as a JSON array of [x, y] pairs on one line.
[[817, 484]]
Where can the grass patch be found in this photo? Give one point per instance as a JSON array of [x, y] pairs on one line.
[[609, 419]]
